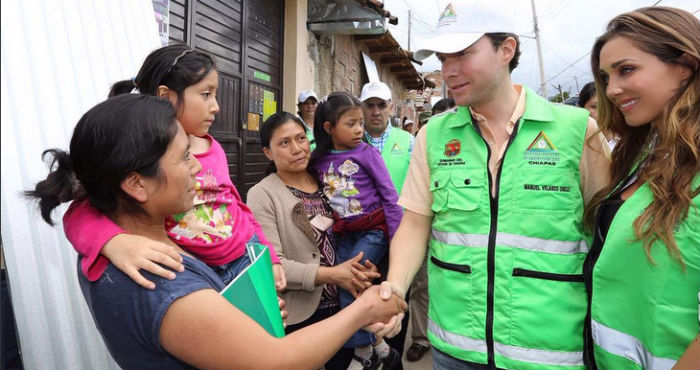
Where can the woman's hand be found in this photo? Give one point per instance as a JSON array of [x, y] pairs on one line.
[[364, 275], [389, 329], [283, 312], [352, 276], [280, 277], [383, 313], [131, 253]]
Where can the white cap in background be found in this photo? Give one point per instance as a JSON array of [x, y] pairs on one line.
[[375, 89], [306, 94]]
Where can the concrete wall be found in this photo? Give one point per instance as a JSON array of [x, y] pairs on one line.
[[298, 67], [327, 63], [340, 67]]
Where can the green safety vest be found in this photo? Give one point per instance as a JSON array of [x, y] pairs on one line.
[[312, 139], [644, 315], [505, 272], [396, 156]]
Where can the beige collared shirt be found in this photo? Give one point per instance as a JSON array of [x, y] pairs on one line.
[[594, 166]]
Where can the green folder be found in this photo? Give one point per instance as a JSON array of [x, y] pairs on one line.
[[253, 291]]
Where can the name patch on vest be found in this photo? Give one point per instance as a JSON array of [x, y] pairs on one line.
[[541, 152], [543, 187], [448, 162]]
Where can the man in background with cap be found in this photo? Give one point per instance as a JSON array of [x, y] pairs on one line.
[[307, 104], [395, 145], [497, 188], [408, 126], [423, 118]]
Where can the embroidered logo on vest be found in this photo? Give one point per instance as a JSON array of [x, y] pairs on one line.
[[453, 147], [541, 152]]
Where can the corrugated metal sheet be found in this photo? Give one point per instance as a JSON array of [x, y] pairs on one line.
[[58, 60]]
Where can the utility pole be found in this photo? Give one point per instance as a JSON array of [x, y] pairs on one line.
[[543, 84], [558, 88], [409, 29], [577, 89]]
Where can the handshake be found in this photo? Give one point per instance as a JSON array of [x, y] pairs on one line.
[[384, 309], [383, 305]]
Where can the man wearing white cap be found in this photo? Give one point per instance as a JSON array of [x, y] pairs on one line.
[[307, 104], [395, 145], [408, 126], [496, 188]]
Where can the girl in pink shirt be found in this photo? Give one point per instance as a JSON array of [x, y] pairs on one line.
[[218, 227]]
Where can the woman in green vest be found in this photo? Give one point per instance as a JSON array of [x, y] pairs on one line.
[[643, 270]]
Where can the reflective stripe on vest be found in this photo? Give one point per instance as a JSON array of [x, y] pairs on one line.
[[512, 352], [513, 241], [625, 345]]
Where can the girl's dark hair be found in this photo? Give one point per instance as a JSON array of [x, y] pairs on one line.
[[587, 92], [329, 110], [124, 134], [176, 66], [268, 129], [443, 105]]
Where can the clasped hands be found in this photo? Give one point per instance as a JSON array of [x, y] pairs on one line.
[[388, 303], [388, 293]]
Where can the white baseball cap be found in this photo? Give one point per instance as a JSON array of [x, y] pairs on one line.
[[306, 94], [375, 89], [408, 122], [462, 23]]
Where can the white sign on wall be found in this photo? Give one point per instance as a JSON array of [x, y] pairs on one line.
[[371, 67]]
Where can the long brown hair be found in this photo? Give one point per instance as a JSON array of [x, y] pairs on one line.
[[673, 36]]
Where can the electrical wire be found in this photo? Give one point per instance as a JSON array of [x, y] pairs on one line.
[[556, 10], [588, 53], [569, 66], [422, 22]]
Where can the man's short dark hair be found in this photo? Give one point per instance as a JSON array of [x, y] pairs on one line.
[[497, 39]]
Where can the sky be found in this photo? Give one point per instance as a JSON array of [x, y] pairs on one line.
[[568, 29]]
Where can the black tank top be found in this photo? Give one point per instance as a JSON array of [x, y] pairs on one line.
[[606, 213]]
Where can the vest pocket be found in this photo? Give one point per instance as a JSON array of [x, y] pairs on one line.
[[458, 189], [438, 186], [451, 266], [547, 310], [548, 275], [451, 304]]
